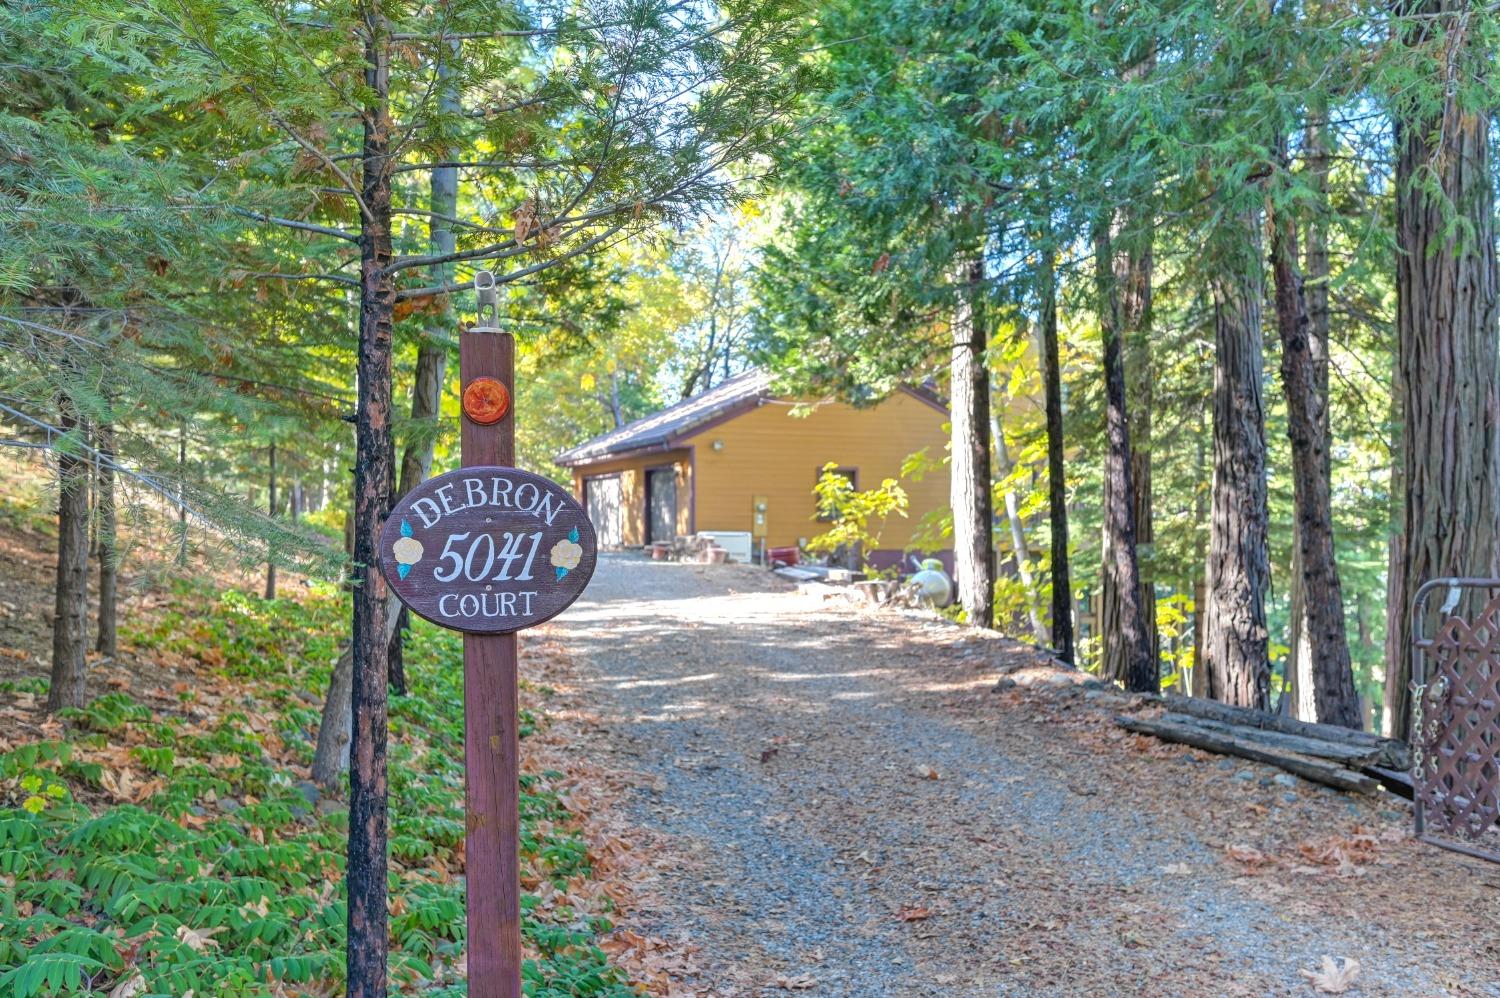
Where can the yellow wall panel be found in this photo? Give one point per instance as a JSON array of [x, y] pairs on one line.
[[768, 451]]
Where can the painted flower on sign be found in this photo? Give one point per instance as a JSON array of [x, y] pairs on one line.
[[566, 553], [408, 550]]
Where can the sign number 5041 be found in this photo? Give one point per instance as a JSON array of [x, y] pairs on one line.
[[452, 564]]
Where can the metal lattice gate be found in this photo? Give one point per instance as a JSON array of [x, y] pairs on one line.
[[1455, 729]]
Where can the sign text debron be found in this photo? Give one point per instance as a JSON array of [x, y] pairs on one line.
[[488, 549]]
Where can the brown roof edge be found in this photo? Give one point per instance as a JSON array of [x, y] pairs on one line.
[[624, 455], [729, 412], [924, 394], [675, 437]]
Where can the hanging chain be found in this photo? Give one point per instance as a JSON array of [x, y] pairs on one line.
[[1418, 757]]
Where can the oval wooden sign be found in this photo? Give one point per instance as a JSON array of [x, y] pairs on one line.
[[488, 550]]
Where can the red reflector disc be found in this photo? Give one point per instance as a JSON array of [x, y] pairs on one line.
[[486, 401]]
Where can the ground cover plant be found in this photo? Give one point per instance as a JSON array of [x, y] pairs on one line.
[[164, 839]]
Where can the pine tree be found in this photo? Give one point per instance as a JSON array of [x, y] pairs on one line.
[[1446, 308]]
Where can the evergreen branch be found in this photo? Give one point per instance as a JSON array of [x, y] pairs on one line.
[[517, 275], [340, 278], [324, 158], [448, 220], [103, 458], [468, 36], [291, 223], [519, 164], [501, 249]]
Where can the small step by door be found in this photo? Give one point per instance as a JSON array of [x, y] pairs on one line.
[[661, 504]]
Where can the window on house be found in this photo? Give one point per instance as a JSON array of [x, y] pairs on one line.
[[849, 474]]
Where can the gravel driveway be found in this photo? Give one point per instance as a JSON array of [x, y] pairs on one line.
[[849, 808]]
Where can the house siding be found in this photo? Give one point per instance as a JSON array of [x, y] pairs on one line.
[[768, 451]]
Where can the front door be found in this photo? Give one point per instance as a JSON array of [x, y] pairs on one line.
[[661, 504]]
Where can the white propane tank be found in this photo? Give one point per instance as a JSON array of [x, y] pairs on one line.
[[933, 585]]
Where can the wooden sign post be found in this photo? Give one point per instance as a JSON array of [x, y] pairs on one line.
[[488, 550]]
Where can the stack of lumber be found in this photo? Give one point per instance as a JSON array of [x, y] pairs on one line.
[[1326, 754]]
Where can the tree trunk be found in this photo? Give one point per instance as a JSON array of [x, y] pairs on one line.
[[106, 640], [1234, 644], [1200, 557], [367, 866], [1057, 485], [271, 511], [1131, 310], [1445, 326], [973, 543], [71, 607], [331, 757], [432, 351], [1315, 294], [182, 531], [1334, 698], [395, 665], [1126, 636], [1018, 538]]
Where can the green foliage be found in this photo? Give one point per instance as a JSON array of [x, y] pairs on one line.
[[1013, 131], [857, 516], [226, 879]]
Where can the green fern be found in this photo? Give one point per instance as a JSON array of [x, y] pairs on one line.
[[50, 974]]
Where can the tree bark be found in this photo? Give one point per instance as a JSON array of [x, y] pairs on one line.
[[1334, 698], [367, 865], [1199, 686], [432, 350], [71, 605], [1131, 310], [331, 757], [1126, 637], [1018, 538], [1234, 645], [395, 664], [1315, 294], [973, 543], [1316, 770], [1445, 325], [271, 511], [182, 524], [1390, 753], [1057, 485], [106, 641]]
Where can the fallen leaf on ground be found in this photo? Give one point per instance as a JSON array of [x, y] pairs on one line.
[[914, 913], [198, 940], [129, 987], [123, 786], [1248, 855], [1332, 979]]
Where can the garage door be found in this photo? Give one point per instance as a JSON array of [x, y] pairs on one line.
[[602, 500]]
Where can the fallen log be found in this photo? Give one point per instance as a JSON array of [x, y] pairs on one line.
[[1316, 770], [1393, 753], [1397, 783], [1351, 756]]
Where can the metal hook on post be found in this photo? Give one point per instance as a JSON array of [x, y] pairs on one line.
[[487, 318]]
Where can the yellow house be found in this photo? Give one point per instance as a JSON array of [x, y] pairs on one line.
[[738, 458]]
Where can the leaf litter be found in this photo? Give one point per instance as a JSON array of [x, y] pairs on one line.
[[1069, 856]]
